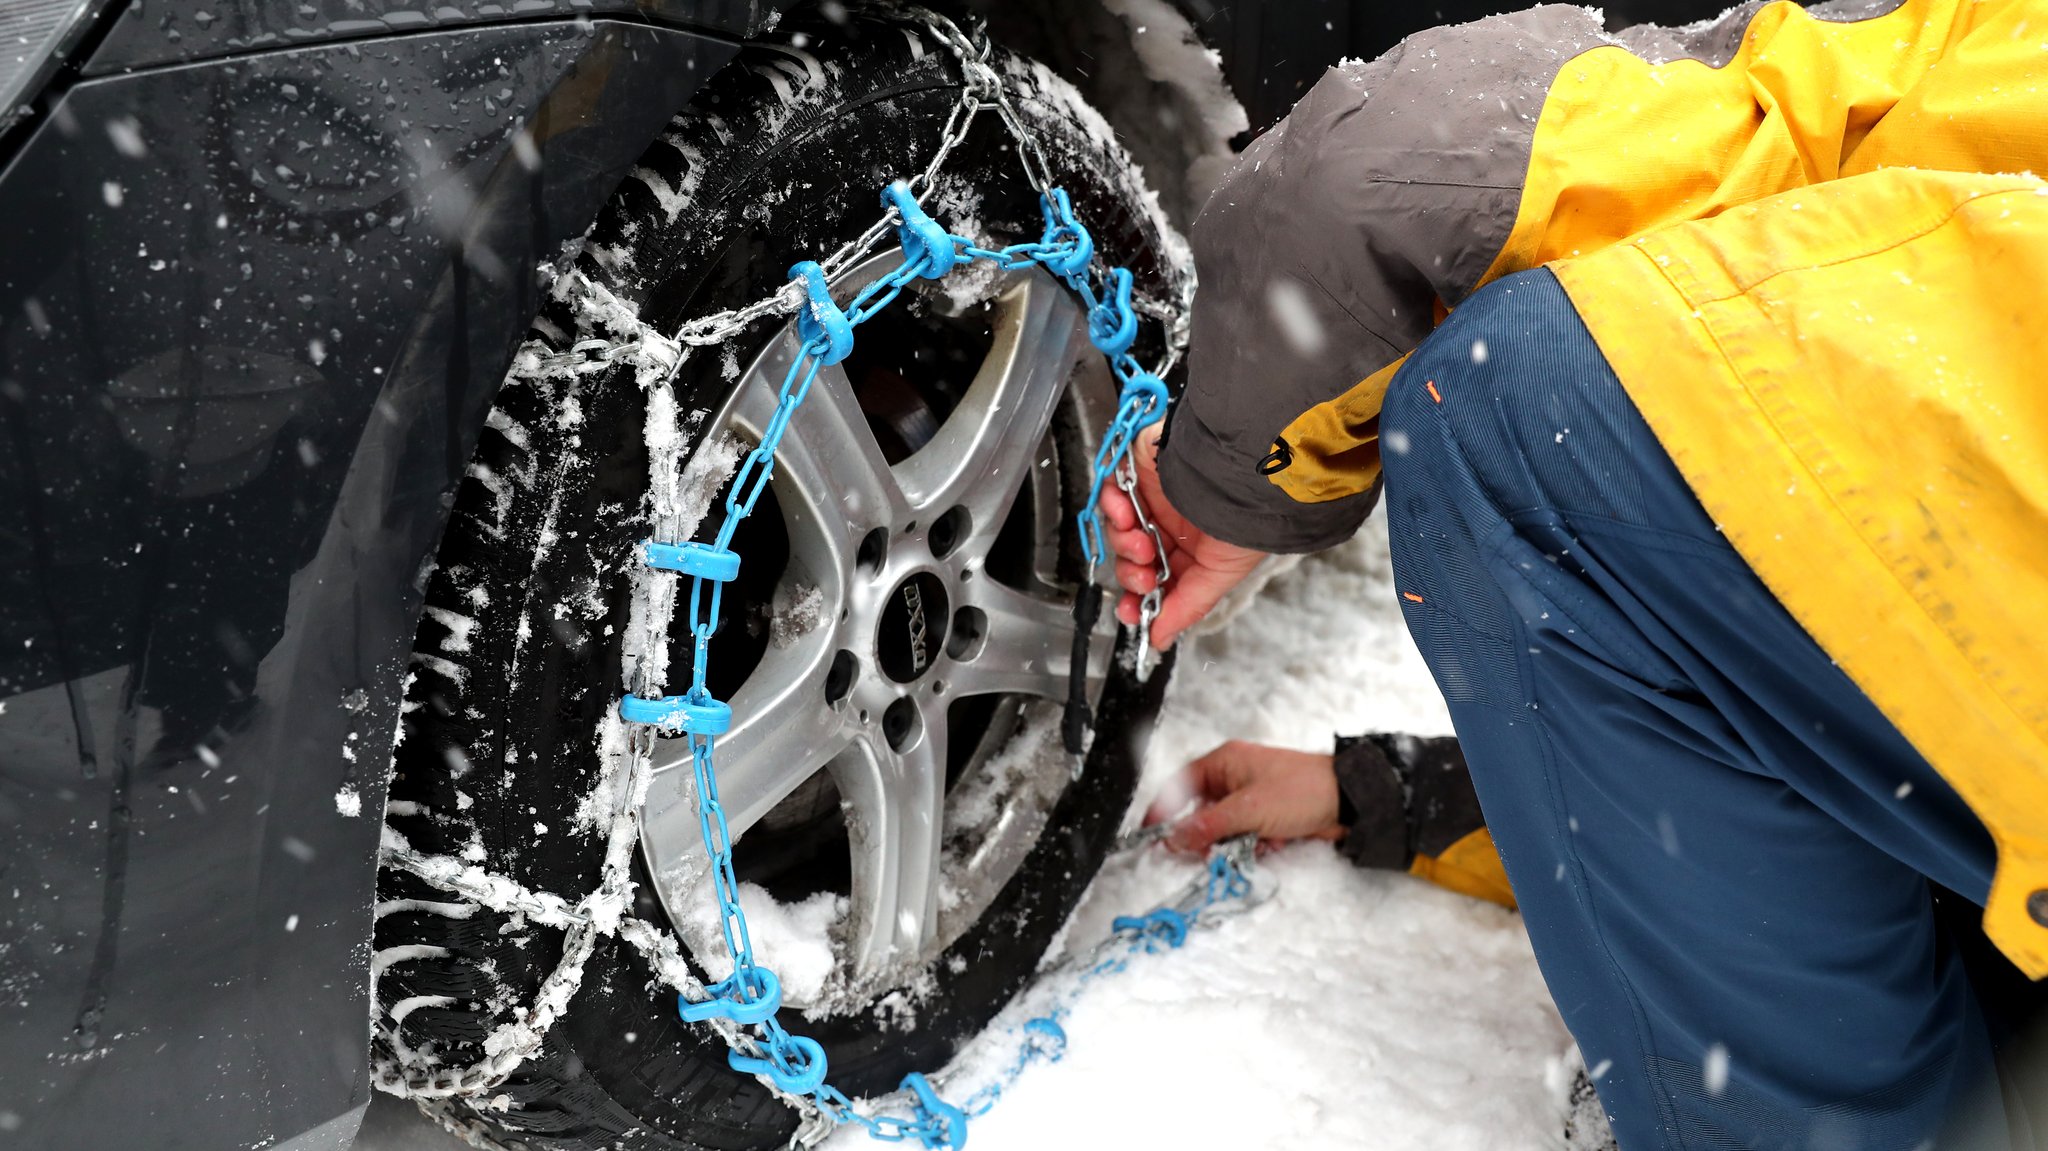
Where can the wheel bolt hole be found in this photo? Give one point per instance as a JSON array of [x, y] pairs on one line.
[[839, 677], [947, 533], [968, 633], [874, 548], [938, 687], [900, 724]]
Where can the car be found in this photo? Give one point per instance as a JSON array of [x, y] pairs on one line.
[[339, 390]]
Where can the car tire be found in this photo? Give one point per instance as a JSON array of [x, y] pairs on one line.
[[517, 666]]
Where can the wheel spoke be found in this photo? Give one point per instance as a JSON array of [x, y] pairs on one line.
[[980, 457], [783, 732], [1025, 646], [830, 476], [895, 803]]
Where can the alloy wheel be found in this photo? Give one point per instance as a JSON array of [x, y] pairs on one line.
[[890, 612]]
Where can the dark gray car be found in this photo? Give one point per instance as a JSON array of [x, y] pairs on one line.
[[321, 478]]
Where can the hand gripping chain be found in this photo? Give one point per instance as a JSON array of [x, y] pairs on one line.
[[741, 1009]]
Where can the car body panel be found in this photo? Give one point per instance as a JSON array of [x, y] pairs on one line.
[[252, 315], [176, 31]]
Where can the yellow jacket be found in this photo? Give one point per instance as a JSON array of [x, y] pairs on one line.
[[1790, 238]]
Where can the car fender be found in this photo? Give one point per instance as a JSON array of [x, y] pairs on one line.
[[252, 316]]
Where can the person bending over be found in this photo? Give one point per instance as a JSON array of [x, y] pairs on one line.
[[1699, 373]]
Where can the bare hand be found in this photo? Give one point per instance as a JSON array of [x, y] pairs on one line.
[[1204, 568], [1249, 787]]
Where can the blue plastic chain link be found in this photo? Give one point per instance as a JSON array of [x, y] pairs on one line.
[[1065, 251], [1160, 929], [751, 995]]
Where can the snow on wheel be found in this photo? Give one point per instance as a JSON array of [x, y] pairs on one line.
[[910, 832]]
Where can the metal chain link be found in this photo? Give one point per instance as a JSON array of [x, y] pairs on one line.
[[1148, 604], [741, 1008]]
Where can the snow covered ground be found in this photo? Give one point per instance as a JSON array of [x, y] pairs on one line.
[[1351, 1010]]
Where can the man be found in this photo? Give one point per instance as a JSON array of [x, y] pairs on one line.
[[1702, 370]]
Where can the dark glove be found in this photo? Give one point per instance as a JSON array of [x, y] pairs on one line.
[[1401, 796]]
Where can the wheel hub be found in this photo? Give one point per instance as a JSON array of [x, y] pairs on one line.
[[912, 631]]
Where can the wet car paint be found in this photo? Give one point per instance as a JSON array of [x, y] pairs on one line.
[[252, 314], [171, 31]]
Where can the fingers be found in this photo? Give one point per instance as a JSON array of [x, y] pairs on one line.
[[1217, 773], [1277, 794], [1134, 545], [1234, 814], [1203, 780], [1163, 808], [1136, 577], [1116, 508], [1127, 610], [1122, 531], [1191, 596], [1126, 537]]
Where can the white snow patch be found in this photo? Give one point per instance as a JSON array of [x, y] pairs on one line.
[[679, 498], [1351, 1010], [1172, 53], [453, 672], [404, 953], [794, 940], [348, 801], [1288, 302], [672, 198], [1714, 1073], [459, 626], [511, 429], [410, 1004], [977, 801], [600, 805], [707, 472], [799, 609], [955, 201]]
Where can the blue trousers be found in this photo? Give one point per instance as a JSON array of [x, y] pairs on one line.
[[1725, 855]]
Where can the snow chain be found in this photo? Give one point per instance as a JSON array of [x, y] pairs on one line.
[[741, 1009]]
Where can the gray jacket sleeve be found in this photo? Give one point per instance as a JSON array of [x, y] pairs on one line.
[[1391, 185]]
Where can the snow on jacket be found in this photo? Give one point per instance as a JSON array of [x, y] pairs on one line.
[[1785, 229]]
